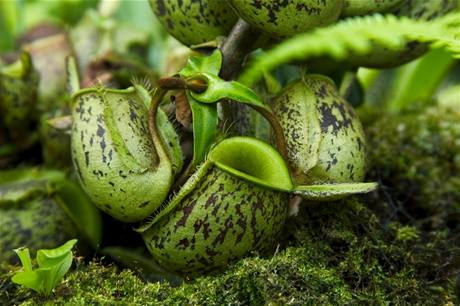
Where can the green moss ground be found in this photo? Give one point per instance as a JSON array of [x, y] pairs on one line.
[[416, 157], [336, 253], [397, 246]]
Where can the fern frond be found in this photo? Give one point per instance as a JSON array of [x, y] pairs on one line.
[[357, 36]]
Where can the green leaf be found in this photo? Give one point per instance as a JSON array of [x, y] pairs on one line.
[[52, 274], [418, 81], [357, 36], [81, 210], [17, 192], [27, 183], [206, 68], [219, 89], [24, 256], [9, 23], [46, 257], [73, 78], [203, 64], [205, 120], [68, 12], [53, 265], [20, 68], [331, 192], [29, 279]]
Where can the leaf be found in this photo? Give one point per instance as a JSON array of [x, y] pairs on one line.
[[357, 35], [204, 117], [24, 257], [331, 192], [54, 272], [20, 68], [203, 64], [18, 192], [417, 81], [25, 183], [73, 77], [53, 265], [29, 279], [81, 210], [219, 89], [47, 257], [9, 23], [205, 120]]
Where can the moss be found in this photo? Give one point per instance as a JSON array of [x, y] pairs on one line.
[[396, 246], [416, 157], [332, 253]]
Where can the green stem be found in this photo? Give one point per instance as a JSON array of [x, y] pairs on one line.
[[194, 84], [277, 130], [234, 50]]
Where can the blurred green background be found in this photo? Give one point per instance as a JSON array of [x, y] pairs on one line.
[[18, 16]]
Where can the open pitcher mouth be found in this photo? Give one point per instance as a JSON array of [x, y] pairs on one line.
[[258, 163], [247, 158], [252, 160]]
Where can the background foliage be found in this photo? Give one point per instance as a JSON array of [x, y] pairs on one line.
[[398, 245]]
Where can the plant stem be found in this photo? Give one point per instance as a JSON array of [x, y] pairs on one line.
[[234, 49], [158, 146], [194, 84], [237, 45], [277, 131]]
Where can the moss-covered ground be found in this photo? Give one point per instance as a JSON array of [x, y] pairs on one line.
[[396, 246], [416, 159]]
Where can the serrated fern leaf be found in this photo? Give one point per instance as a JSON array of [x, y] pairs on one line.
[[358, 36]]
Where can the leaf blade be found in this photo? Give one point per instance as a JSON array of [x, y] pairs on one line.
[[204, 121], [330, 192], [208, 64]]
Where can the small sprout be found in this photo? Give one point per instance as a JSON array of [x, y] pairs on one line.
[[53, 264]]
